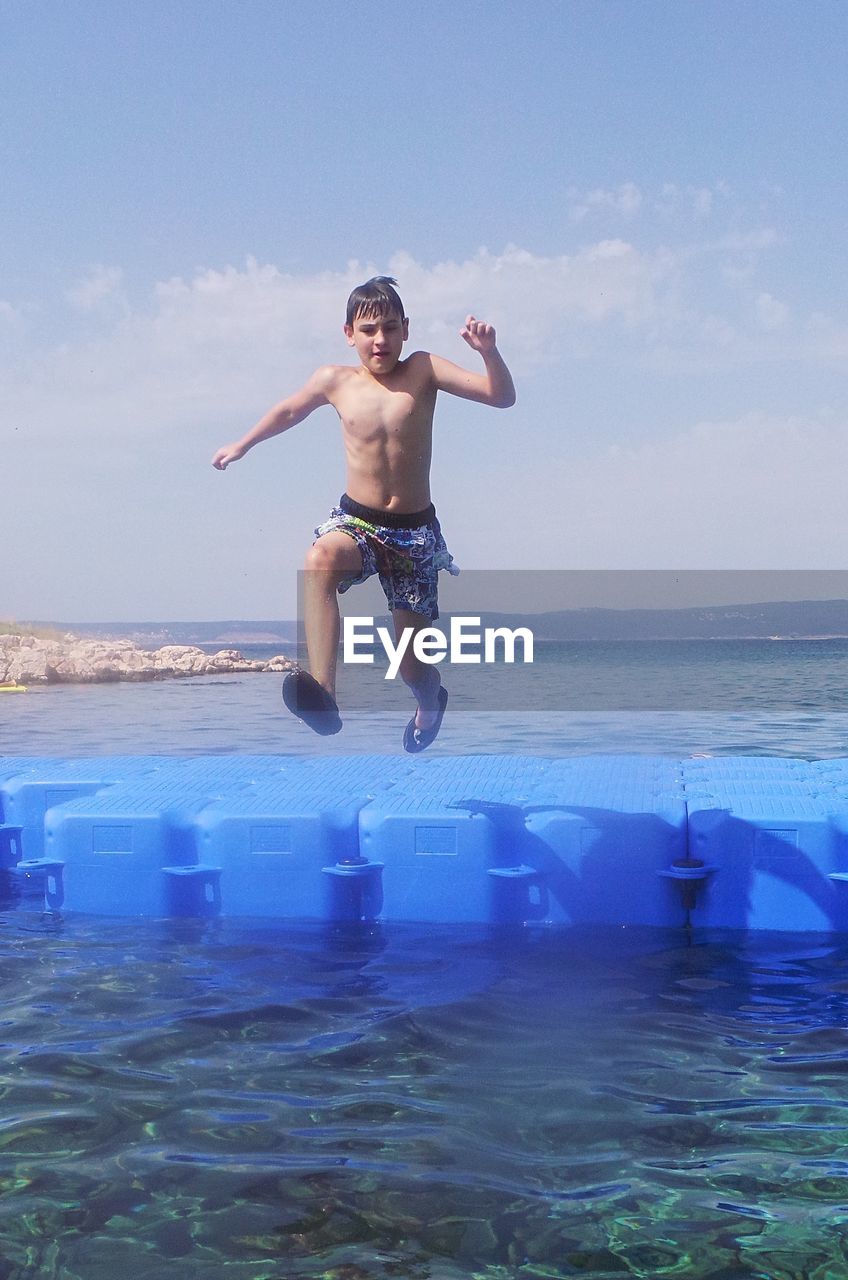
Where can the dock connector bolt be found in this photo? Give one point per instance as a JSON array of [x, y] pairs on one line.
[[691, 873], [10, 845], [355, 890], [42, 876], [518, 895], [193, 889]]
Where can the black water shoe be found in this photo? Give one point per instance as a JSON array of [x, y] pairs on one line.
[[311, 703], [415, 739]]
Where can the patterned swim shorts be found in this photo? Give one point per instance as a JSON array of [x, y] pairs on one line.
[[405, 551]]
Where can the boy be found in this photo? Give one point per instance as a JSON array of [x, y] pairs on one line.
[[385, 522]]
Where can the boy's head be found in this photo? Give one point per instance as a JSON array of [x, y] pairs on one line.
[[377, 297], [375, 324]]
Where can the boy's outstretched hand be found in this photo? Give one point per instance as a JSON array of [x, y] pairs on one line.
[[479, 335], [229, 453]]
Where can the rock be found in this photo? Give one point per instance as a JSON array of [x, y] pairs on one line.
[[21, 662], [31, 660]]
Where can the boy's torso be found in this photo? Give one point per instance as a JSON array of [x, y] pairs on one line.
[[387, 427]]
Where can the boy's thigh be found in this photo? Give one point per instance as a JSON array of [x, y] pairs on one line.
[[411, 667], [404, 619], [412, 588]]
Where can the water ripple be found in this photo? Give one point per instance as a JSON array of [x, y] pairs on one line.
[[212, 1103]]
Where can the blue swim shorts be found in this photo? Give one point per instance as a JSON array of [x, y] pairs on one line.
[[406, 551]]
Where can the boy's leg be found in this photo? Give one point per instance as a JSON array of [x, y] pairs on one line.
[[330, 560], [421, 678]]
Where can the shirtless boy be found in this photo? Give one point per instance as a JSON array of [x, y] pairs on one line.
[[385, 522]]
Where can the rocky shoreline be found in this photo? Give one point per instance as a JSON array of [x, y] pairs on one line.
[[30, 660]]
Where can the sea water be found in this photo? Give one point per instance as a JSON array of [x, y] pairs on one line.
[[239, 1099], [197, 1101], [666, 697]]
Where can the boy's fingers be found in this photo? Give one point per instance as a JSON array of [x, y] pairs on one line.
[[476, 330]]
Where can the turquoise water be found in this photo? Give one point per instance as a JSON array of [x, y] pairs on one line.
[[220, 1100], [238, 1100]]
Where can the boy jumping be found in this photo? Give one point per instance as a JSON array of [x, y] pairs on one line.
[[385, 522]]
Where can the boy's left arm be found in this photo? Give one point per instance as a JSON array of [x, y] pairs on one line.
[[494, 387]]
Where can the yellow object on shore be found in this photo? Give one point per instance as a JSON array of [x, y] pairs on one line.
[[8, 687]]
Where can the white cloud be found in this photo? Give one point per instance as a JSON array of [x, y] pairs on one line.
[[107, 437], [753, 241], [827, 339], [758, 492], [224, 343], [697, 202], [669, 202], [219, 341], [771, 312], [9, 315], [100, 286], [625, 201]]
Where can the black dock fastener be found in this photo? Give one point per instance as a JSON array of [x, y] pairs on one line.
[[355, 890], [10, 845], [193, 890], [42, 876], [518, 894], [692, 873]]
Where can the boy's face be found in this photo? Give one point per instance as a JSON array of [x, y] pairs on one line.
[[378, 340]]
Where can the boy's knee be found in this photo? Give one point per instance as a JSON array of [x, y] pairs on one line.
[[316, 558], [329, 556]]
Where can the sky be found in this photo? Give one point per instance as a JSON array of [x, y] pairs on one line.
[[646, 199]]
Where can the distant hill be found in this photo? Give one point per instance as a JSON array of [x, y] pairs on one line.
[[783, 619]]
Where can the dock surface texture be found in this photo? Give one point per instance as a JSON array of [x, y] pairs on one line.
[[747, 842]]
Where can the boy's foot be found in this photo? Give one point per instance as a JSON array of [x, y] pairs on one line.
[[311, 703], [415, 739]]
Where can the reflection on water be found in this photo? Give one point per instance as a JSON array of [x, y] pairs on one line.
[[222, 1100]]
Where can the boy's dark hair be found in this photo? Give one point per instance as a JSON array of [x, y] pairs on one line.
[[377, 297]]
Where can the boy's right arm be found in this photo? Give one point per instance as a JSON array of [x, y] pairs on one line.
[[284, 415]]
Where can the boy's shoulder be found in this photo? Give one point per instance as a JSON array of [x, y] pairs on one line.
[[327, 376], [418, 362]]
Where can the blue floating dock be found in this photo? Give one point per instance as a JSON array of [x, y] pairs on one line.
[[602, 830], [731, 841]]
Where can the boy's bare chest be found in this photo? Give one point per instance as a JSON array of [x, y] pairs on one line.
[[374, 410]]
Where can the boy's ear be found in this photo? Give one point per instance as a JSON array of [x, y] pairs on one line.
[[405, 328], [348, 331]]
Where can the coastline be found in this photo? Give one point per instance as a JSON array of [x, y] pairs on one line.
[[34, 660]]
